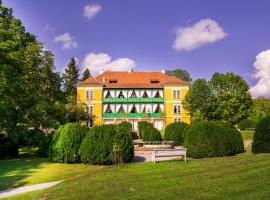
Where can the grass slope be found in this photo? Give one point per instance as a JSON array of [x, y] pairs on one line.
[[245, 176]]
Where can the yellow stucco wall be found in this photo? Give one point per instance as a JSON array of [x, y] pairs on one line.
[[96, 101], [169, 101]]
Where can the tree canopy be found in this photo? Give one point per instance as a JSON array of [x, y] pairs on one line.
[[180, 73], [225, 97]]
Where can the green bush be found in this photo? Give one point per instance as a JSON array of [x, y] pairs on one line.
[[66, 143], [261, 138], [104, 144], [212, 139], [97, 145], [123, 139], [148, 132], [174, 132], [246, 123]]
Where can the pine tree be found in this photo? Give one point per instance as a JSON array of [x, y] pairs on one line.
[[71, 78], [86, 75]]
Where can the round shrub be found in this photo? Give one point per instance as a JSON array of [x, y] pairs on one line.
[[148, 132], [123, 140], [212, 139], [107, 144], [174, 132], [246, 123], [66, 143], [261, 138], [97, 145]]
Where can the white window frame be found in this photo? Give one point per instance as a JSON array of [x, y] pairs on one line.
[[88, 109], [89, 94], [178, 108], [177, 94]]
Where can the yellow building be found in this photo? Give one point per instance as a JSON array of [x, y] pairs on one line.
[[113, 97]]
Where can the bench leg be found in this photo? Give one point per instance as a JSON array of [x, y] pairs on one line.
[[185, 158]]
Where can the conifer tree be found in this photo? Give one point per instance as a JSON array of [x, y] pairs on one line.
[[86, 75], [71, 78]]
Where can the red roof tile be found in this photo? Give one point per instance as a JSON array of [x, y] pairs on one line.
[[114, 79]]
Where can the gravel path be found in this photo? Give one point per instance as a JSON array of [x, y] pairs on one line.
[[20, 190]]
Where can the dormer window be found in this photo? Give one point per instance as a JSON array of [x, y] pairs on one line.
[[155, 81], [113, 81]]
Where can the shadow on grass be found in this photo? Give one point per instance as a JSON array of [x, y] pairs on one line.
[[13, 171]]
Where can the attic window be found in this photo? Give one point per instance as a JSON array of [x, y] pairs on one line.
[[154, 81], [113, 81]]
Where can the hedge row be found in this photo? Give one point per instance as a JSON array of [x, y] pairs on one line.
[[211, 139], [245, 124], [148, 132], [99, 145], [174, 132], [261, 138]]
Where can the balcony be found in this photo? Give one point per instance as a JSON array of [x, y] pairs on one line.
[[133, 100], [116, 115]]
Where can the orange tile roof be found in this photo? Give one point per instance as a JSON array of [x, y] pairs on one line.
[[91, 81], [127, 79]]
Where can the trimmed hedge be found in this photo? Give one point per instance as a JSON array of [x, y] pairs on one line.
[[246, 123], [212, 139], [124, 140], [107, 144], [66, 143], [97, 146], [148, 132], [174, 132], [261, 138]]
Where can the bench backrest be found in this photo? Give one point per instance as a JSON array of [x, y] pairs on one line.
[[170, 152]]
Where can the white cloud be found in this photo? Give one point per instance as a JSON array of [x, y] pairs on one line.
[[203, 32], [91, 10], [262, 74], [101, 61], [68, 41]]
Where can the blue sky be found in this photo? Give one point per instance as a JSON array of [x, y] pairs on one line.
[[121, 34]]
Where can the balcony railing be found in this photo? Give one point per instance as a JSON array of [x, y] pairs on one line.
[[129, 100], [132, 114]]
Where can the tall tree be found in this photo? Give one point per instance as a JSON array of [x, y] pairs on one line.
[[260, 109], [180, 73], [201, 102], [86, 75], [71, 78], [233, 97], [225, 97], [19, 75]]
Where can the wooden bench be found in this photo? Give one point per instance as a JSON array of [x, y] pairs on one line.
[[169, 153]]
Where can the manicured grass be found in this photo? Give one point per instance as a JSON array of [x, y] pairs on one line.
[[29, 171], [247, 135], [245, 176]]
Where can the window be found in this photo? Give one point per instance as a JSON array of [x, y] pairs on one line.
[[176, 94], [177, 120], [89, 94], [154, 81], [176, 109], [113, 81], [90, 109]]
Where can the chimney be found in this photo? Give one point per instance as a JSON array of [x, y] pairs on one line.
[[103, 79], [101, 72], [163, 71]]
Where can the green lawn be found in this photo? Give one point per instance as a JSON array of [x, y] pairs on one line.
[[247, 135], [245, 176]]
